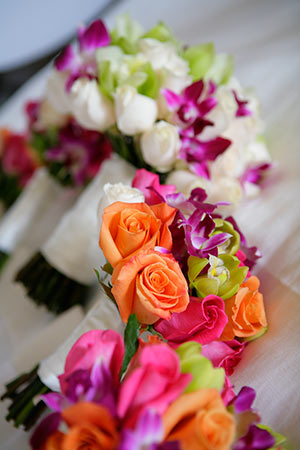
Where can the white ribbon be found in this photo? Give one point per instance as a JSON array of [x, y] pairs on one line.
[[73, 247], [37, 196], [103, 315]]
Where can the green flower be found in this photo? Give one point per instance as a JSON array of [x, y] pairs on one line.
[[126, 34], [161, 33], [223, 278], [233, 244], [203, 373]]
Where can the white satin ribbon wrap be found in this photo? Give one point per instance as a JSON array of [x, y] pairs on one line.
[[43, 343], [42, 191], [73, 246], [103, 315]]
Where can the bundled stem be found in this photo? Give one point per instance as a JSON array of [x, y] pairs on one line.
[[9, 188], [3, 259], [49, 287], [22, 392]]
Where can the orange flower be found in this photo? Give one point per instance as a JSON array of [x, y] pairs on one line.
[[151, 285], [128, 227], [200, 421], [245, 311], [90, 426]]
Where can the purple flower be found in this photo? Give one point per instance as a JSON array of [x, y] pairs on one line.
[[148, 433], [84, 385], [190, 111], [252, 254], [242, 110], [255, 439], [255, 174], [81, 63], [244, 400], [44, 429], [80, 151]]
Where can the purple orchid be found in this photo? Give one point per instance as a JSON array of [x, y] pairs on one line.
[[242, 109], [255, 439], [80, 151], [190, 111], [252, 254], [81, 63], [255, 174], [192, 227], [147, 434], [44, 429], [84, 385]]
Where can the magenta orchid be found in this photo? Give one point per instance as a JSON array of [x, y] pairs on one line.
[[242, 109], [80, 63], [224, 354], [147, 434], [255, 174], [80, 151], [190, 110]]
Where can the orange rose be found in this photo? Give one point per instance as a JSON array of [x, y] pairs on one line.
[[200, 421], [90, 426], [245, 311], [151, 285], [128, 227]]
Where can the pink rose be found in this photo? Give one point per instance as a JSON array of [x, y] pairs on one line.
[[203, 321], [148, 183], [93, 346], [224, 354], [153, 382]]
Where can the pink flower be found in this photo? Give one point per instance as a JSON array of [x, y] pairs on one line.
[[227, 394], [153, 382], [203, 321], [95, 345], [224, 354], [149, 184]]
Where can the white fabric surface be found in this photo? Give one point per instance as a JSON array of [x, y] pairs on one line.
[[264, 37]]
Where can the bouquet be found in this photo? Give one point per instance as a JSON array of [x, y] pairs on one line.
[[156, 398], [179, 268], [173, 110], [69, 156]]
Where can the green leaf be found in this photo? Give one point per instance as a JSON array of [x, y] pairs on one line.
[[131, 335], [161, 33], [108, 268], [221, 70], [200, 58]]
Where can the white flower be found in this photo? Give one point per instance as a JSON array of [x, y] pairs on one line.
[[56, 92], [185, 181], [163, 55], [135, 113], [226, 189], [160, 146], [90, 107]]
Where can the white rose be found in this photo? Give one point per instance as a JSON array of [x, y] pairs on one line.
[[56, 92], [90, 107], [160, 146], [185, 181], [225, 189], [163, 55], [257, 152], [135, 113], [118, 192]]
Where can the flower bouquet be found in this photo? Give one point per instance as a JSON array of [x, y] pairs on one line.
[[156, 398], [173, 110], [69, 157], [175, 265]]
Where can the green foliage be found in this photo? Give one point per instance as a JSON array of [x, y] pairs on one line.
[[131, 335], [200, 58]]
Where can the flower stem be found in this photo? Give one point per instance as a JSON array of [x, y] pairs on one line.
[[22, 392], [47, 286]]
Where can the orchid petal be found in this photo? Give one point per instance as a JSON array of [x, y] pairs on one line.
[[93, 37]]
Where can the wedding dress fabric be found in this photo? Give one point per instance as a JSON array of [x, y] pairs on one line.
[[264, 37]]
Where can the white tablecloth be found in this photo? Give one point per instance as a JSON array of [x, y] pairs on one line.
[[264, 37]]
